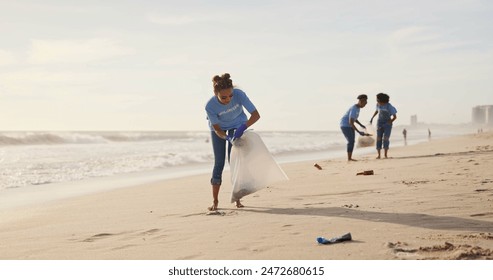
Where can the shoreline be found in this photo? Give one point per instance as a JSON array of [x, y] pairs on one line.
[[428, 201]]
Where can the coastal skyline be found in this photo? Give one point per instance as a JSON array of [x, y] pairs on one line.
[[147, 65]]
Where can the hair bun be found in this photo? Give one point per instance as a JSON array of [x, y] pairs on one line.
[[216, 79], [223, 82]]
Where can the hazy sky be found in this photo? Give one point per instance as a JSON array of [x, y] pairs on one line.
[[147, 65]]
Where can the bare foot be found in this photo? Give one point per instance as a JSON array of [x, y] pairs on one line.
[[239, 205], [378, 157], [214, 206], [351, 159]]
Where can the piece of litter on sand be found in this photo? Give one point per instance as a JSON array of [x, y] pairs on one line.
[[366, 172], [342, 238], [215, 213], [317, 166]]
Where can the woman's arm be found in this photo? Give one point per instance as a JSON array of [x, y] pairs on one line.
[[219, 132], [394, 117], [254, 117], [351, 122], [360, 124], [374, 114]]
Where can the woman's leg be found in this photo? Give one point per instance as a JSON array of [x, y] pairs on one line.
[[219, 148], [215, 197], [350, 137], [386, 138], [380, 132]]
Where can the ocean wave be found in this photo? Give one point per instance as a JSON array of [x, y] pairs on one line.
[[29, 139], [59, 138]]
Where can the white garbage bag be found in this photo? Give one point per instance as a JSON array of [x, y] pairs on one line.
[[252, 166], [367, 141]]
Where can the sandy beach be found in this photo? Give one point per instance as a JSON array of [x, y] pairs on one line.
[[432, 200]]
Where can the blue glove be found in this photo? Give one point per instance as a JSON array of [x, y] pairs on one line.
[[239, 131], [229, 139]]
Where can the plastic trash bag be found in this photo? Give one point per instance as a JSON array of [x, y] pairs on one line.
[[367, 141], [252, 166]]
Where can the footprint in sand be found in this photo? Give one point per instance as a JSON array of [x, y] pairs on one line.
[[446, 251], [215, 213], [481, 235], [151, 231], [97, 237], [350, 206]]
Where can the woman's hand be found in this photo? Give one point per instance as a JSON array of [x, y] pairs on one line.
[[239, 131]]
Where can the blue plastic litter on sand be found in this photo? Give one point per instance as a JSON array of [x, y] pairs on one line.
[[342, 238]]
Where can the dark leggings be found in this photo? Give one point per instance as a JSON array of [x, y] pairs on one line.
[[219, 147], [349, 133]]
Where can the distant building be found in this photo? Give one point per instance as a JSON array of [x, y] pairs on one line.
[[483, 115], [414, 120], [489, 118]]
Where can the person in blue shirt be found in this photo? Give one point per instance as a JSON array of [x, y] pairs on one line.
[[347, 124], [387, 114], [227, 121]]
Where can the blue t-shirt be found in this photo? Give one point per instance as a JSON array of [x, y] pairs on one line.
[[352, 113], [384, 112], [231, 115]]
